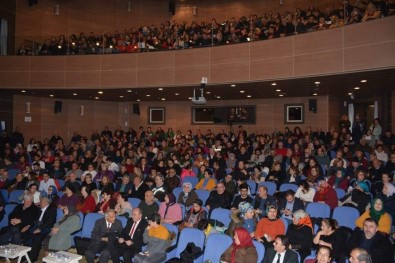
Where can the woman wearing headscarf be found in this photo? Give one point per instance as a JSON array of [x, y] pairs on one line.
[[388, 197], [188, 195], [359, 197], [87, 202], [169, 210], [244, 216], [300, 233], [60, 237], [242, 249], [208, 182], [339, 179], [70, 197], [53, 195], [377, 213], [194, 215]]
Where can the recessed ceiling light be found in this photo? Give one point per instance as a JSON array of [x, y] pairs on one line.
[[317, 83], [163, 99], [96, 98], [274, 84], [218, 97], [148, 95], [208, 92], [356, 88], [242, 91], [315, 94], [233, 85], [23, 91], [51, 95], [138, 100], [129, 91], [177, 94], [189, 98], [75, 94], [281, 95], [249, 96], [160, 89], [278, 90], [364, 80], [121, 96], [100, 92]]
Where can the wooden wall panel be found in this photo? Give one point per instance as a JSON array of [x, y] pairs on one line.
[[47, 79], [279, 48], [271, 68], [230, 72], [190, 75], [321, 41], [48, 64], [319, 63]]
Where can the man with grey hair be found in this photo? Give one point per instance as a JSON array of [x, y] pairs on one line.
[[43, 224], [103, 237], [360, 255], [20, 220]]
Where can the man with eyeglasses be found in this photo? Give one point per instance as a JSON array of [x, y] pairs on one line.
[[280, 253]]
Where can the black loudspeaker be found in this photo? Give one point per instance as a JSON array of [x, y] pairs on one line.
[[58, 106], [172, 7], [136, 108], [313, 105]]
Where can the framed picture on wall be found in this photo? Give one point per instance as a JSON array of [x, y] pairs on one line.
[[294, 113], [157, 115]]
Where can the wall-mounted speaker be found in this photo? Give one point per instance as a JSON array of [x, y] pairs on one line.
[[136, 108], [313, 105], [172, 7], [58, 106]]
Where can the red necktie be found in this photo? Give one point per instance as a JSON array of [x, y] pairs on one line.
[[132, 230]]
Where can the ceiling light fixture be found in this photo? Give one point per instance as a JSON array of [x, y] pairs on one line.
[[138, 100], [189, 98], [357, 88], [23, 91], [177, 94], [249, 96], [129, 91], [121, 96], [100, 92], [278, 90], [242, 91], [96, 98], [281, 95], [160, 89], [364, 80], [218, 97], [208, 92], [51, 95], [163, 99], [148, 95], [233, 85], [75, 94], [317, 83], [274, 84]]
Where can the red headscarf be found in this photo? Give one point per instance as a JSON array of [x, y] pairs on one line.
[[245, 241]]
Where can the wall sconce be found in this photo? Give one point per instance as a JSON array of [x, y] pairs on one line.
[[27, 107], [56, 10], [194, 10], [129, 6], [82, 110]]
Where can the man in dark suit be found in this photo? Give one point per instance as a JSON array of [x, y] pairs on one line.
[[19, 222], [131, 239], [138, 188], [280, 252], [289, 205], [376, 243], [103, 237], [41, 228]]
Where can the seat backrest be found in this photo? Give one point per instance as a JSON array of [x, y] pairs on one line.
[[89, 223], [59, 214], [4, 192], [271, 187], [183, 210], [216, 245], [191, 179], [177, 191], [260, 249], [346, 216], [12, 173], [123, 220], [7, 209], [285, 221], [16, 197], [318, 210], [203, 195], [286, 186], [340, 193], [134, 201], [222, 215], [252, 186], [190, 235], [174, 229]]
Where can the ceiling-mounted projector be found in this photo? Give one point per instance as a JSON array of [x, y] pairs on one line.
[[200, 100]]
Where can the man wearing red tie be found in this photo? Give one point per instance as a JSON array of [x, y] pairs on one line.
[[131, 239]]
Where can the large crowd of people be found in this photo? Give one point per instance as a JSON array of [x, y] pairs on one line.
[[182, 35], [99, 172]]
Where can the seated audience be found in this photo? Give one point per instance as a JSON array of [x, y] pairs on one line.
[[139, 187], [188, 196], [339, 180], [360, 255], [170, 211], [280, 251], [289, 204], [377, 213], [160, 189], [148, 206], [262, 200], [123, 207], [305, 192], [269, 227], [87, 202], [242, 197], [124, 186], [300, 233], [207, 183], [242, 248], [324, 255], [107, 202], [359, 197], [326, 194], [218, 198], [388, 197], [70, 197], [194, 215]]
